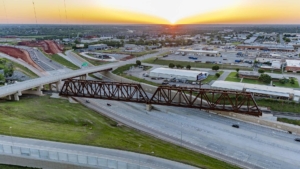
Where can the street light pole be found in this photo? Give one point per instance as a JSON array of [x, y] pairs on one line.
[[139, 156], [11, 135], [181, 134]]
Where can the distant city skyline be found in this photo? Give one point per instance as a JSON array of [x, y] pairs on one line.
[[150, 12]]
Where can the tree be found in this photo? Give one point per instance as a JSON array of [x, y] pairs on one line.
[[217, 75], [179, 66], [2, 78], [261, 71], [265, 78], [138, 63], [292, 81], [188, 67], [215, 67], [237, 70], [171, 65]]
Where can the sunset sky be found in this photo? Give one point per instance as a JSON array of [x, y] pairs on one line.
[[150, 11]]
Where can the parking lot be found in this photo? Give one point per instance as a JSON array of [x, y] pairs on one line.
[[227, 58]]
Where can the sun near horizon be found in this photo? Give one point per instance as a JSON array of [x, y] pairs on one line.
[[150, 12]]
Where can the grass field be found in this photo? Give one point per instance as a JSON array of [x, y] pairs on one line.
[[119, 71], [158, 61], [23, 69], [289, 85], [63, 61], [211, 77], [91, 61], [59, 120], [135, 54], [285, 120], [232, 77], [282, 106], [253, 81]]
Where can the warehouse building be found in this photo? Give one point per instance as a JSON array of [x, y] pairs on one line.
[[292, 66], [260, 91], [97, 47], [178, 74], [281, 48]]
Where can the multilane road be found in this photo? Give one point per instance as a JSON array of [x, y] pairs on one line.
[[250, 146]]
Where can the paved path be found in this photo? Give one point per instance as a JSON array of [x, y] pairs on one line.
[[83, 155]]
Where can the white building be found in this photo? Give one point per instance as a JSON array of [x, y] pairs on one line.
[[259, 90], [178, 74], [199, 52]]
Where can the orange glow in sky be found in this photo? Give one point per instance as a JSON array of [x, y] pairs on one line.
[[150, 11]]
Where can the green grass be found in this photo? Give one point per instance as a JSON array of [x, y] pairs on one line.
[[285, 120], [155, 60], [232, 77], [282, 106], [4, 166], [289, 85], [212, 77], [253, 81], [63, 61], [58, 120], [135, 54], [119, 71], [93, 62], [23, 69], [236, 43]]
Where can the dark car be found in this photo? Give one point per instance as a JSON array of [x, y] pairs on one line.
[[87, 101], [235, 126], [108, 104], [297, 139]]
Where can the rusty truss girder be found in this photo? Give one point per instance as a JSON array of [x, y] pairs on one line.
[[207, 99]]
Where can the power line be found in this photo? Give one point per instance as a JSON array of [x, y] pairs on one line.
[[5, 11], [34, 12], [66, 11]]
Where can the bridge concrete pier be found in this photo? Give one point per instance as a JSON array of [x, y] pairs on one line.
[[57, 85], [148, 107], [84, 77], [16, 96]]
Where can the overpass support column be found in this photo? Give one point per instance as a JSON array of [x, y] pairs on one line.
[[16, 96], [86, 76], [148, 107], [58, 86]]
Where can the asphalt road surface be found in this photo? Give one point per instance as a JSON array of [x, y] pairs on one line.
[[250, 146]]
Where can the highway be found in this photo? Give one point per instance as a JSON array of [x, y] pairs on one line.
[[250, 146], [81, 155], [60, 75]]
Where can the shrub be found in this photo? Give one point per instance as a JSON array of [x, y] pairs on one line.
[[171, 65], [217, 74], [216, 67], [261, 71]]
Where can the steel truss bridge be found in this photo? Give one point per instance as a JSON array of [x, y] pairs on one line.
[[206, 99]]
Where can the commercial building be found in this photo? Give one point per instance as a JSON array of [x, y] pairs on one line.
[[168, 73], [281, 48], [97, 47], [200, 52], [292, 66], [261, 91]]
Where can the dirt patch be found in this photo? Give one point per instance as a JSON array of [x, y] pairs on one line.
[[48, 46], [127, 58], [19, 54]]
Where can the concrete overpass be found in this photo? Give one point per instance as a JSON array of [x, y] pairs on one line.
[[35, 86]]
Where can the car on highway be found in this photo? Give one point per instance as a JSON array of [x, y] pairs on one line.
[[108, 104], [297, 139], [87, 101], [235, 126]]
